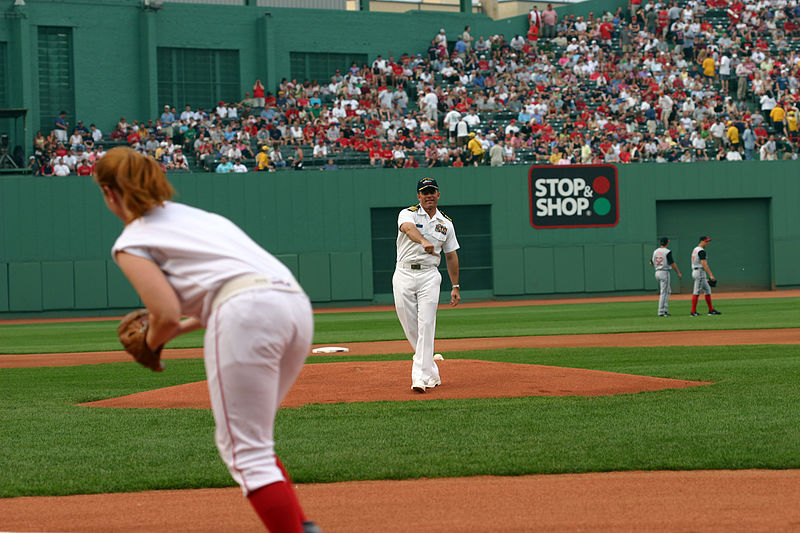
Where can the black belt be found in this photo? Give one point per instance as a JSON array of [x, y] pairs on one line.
[[415, 266]]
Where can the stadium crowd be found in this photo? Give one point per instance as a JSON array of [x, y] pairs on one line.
[[664, 82]]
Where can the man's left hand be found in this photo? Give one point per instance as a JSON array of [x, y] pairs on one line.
[[455, 296]]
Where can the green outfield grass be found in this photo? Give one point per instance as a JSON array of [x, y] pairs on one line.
[[746, 419], [620, 317]]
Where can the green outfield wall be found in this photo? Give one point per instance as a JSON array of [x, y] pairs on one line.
[[336, 232]]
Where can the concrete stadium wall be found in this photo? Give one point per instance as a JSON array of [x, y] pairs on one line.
[[55, 234]]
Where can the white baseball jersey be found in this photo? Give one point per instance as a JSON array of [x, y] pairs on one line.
[[198, 252], [438, 230], [698, 254], [662, 258]]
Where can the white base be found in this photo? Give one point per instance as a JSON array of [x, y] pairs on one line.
[[330, 349]]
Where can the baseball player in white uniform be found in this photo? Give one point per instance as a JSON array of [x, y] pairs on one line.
[[187, 262], [700, 270], [423, 234], [663, 263]]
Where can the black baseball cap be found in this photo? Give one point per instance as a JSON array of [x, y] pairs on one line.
[[427, 183], [663, 241], [704, 238]]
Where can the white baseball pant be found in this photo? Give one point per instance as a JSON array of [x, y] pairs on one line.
[[255, 345], [700, 281], [416, 299], [664, 291]]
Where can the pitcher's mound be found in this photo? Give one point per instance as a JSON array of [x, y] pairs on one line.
[[391, 380]]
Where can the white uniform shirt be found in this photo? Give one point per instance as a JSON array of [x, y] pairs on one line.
[[698, 254], [198, 252], [661, 259], [438, 230]]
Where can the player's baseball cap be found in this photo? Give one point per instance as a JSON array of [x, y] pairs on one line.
[[427, 183], [704, 238], [663, 241]]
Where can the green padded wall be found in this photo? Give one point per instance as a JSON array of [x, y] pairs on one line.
[[540, 272], [627, 267], [315, 270], [786, 258], [91, 290], [321, 226], [58, 285], [569, 268], [346, 275], [598, 263], [509, 280], [25, 287], [3, 287]]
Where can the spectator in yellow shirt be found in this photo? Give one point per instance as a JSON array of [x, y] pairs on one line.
[[709, 67], [733, 135], [777, 115], [792, 125], [262, 159], [476, 149]]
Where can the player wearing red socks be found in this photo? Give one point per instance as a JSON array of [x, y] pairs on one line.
[[701, 273]]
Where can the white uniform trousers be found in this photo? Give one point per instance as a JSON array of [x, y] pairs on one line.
[[663, 278], [255, 345], [416, 299], [700, 281]]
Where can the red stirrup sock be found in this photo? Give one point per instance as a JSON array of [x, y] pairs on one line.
[[276, 505], [708, 301], [695, 297], [289, 482]]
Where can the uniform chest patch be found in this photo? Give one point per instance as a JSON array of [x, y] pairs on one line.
[[441, 228]]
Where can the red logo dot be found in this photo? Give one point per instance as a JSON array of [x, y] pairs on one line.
[[601, 185]]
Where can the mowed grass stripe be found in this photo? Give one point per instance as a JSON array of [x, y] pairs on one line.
[[746, 419], [452, 323]]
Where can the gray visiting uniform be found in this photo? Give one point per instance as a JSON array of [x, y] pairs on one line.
[[662, 261], [698, 273]]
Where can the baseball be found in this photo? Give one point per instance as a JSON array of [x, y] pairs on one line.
[[438, 357]]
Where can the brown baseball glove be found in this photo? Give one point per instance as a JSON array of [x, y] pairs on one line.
[[132, 332]]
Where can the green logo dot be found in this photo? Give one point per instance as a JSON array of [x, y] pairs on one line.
[[601, 206]]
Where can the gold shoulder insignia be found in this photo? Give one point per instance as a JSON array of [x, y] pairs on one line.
[[447, 217], [414, 208]]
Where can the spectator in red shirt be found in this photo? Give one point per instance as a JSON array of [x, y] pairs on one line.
[[533, 36], [84, 168], [387, 156], [761, 133]]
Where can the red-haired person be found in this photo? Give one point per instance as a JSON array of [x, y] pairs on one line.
[[184, 261]]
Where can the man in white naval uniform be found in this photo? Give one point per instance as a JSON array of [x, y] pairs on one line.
[[423, 233]]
